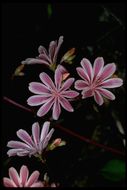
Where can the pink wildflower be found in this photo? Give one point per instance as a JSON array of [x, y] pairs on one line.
[[47, 58], [49, 94], [31, 145], [97, 79], [22, 180]]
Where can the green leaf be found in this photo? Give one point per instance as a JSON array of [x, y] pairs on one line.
[[114, 170]]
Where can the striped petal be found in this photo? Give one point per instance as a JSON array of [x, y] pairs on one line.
[[48, 137], [8, 182], [80, 84], [67, 84], [60, 41], [52, 48], [47, 80], [108, 71], [56, 110], [87, 68], [41, 49], [24, 173], [14, 152], [44, 130], [24, 136], [14, 176], [70, 94], [18, 145], [38, 88], [87, 93], [112, 83], [82, 74], [31, 61], [37, 100], [58, 77], [36, 133], [32, 179], [45, 108], [66, 104], [98, 98], [98, 66], [106, 93]]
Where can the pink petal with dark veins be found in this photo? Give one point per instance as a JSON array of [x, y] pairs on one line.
[[24, 173], [47, 80], [45, 108], [87, 68], [32, 179], [80, 84], [106, 93], [112, 83], [14, 176], [98, 98], [37, 100], [56, 110], [66, 104], [108, 71], [98, 66], [36, 133], [38, 88]]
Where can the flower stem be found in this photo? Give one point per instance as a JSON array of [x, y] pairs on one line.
[[82, 138]]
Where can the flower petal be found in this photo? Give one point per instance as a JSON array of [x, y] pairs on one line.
[[60, 41], [67, 84], [107, 94], [47, 80], [41, 49], [37, 100], [98, 66], [87, 68], [32, 179], [58, 77], [38, 88], [108, 71], [14, 176], [82, 74], [13, 152], [37, 184], [52, 48], [80, 84], [24, 136], [70, 94], [44, 130], [36, 133], [56, 110], [112, 83], [17, 144], [24, 173], [48, 137], [30, 61], [45, 108], [66, 104], [98, 98], [87, 93], [8, 182]]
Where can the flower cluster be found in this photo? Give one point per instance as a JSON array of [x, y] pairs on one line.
[[55, 93]]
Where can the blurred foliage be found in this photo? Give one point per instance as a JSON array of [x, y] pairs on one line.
[[114, 170]]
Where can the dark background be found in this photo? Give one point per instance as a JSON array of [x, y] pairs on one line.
[[25, 26]]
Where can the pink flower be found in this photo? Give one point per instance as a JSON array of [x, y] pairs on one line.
[[31, 145], [97, 79], [51, 95], [48, 58], [22, 180]]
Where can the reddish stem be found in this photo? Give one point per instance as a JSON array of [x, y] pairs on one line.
[[85, 139], [16, 104]]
